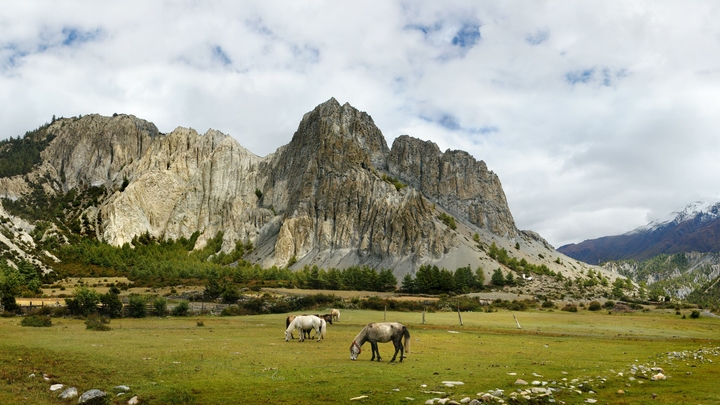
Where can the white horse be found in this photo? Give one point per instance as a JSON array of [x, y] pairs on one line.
[[335, 314], [306, 322], [382, 332]]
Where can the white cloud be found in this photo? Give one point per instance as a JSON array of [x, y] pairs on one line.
[[597, 117]]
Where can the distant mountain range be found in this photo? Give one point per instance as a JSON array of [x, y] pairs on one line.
[[695, 228]]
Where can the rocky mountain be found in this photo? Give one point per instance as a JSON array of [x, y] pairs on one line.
[[335, 196], [687, 276], [695, 228]]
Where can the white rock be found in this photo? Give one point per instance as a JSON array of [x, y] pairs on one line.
[[465, 400], [658, 377], [90, 395], [358, 398], [133, 401], [56, 387], [71, 392]]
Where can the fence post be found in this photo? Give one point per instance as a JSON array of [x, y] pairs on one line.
[[385, 314], [460, 316], [423, 317]]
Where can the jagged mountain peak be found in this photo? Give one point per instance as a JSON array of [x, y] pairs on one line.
[[702, 210], [695, 228], [335, 196]]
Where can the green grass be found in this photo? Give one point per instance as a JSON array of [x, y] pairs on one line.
[[246, 360]]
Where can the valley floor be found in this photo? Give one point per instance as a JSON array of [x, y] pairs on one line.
[[583, 356]]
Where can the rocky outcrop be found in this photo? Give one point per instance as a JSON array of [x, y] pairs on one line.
[[93, 150], [325, 198], [455, 180], [334, 200]]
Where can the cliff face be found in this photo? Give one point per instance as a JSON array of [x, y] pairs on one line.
[[455, 180], [325, 198], [334, 200]]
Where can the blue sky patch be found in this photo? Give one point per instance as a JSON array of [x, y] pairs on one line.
[[452, 123], [537, 38], [467, 36], [580, 76], [220, 56], [74, 36]]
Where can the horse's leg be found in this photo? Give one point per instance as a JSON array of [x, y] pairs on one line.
[[372, 349], [378, 352], [397, 345]]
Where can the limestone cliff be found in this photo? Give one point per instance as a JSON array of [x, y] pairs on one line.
[[336, 195], [455, 180], [335, 202]]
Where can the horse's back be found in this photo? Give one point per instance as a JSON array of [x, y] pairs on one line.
[[384, 331]]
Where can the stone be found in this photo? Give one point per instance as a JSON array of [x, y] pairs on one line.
[[358, 398], [520, 382], [121, 388], [658, 377], [133, 401], [94, 396], [621, 392], [71, 392], [56, 387], [465, 400]]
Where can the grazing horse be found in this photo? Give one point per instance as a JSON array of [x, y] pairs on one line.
[[335, 314], [381, 332], [306, 322], [327, 317]]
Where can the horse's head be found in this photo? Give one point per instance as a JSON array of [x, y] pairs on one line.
[[354, 350]]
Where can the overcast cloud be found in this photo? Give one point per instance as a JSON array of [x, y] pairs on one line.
[[598, 117]]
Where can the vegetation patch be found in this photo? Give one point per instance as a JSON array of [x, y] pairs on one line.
[[36, 321]]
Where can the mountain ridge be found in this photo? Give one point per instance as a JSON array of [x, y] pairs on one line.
[[335, 196], [695, 228]]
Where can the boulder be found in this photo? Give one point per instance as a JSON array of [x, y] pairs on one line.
[[56, 387], [71, 392], [92, 397]]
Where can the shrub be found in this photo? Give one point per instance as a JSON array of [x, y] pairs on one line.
[[569, 308], [36, 321], [594, 306], [85, 301], [548, 304], [160, 305], [517, 306], [609, 304], [181, 309], [695, 314], [136, 306], [95, 322]]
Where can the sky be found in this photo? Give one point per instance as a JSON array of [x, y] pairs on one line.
[[598, 117]]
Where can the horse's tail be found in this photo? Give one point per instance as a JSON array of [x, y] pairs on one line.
[[323, 328], [406, 334]]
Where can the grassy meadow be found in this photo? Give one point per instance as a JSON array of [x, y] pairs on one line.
[[246, 359]]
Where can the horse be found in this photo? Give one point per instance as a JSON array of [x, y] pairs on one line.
[[306, 322], [326, 317], [335, 314], [382, 332]]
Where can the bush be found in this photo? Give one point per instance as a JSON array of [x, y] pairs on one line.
[[609, 304], [95, 322], [36, 321], [136, 306], [548, 304], [695, 314], [594, 306], [160, 305], [181, 309], [569, 308]]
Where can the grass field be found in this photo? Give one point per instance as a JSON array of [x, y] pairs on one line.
[[246, 360]]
